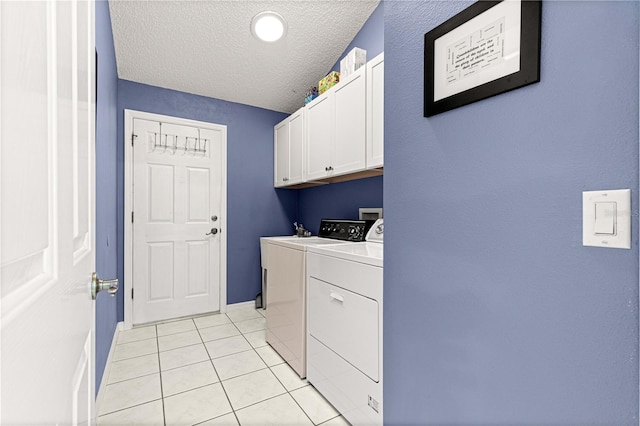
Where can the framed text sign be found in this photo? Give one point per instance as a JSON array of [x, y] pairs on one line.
[[487, 49]]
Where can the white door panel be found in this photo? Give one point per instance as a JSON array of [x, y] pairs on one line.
[[281, 136], [350, 124], [375, 112], [177, 179], [296, 147], [47, 216], [319, 136]]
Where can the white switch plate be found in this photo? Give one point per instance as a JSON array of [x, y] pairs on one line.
[[621, 237]]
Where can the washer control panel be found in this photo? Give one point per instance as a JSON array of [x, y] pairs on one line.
[[344, 230]]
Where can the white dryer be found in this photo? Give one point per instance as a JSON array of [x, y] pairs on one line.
[[344, 338]]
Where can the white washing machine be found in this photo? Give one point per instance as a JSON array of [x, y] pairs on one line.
[[286, 289], [344, 337]]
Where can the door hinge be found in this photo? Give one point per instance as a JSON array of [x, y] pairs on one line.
[[131, 217], [131, 293], [132, 138]]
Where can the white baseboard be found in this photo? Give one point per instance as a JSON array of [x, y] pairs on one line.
[[241, 305], [107, 367]]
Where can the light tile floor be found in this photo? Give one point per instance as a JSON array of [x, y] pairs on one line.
[[208, 370]]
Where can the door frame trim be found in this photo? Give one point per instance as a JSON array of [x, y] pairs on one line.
[[129, 116]]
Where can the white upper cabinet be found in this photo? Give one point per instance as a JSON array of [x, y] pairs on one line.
[[296, 147], [288, 137], [350, 118], [319, 136], [281, 153], [340, 134], [336, 132], [375, 112]]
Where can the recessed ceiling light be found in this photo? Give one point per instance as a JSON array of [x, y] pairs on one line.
[[268, 26]]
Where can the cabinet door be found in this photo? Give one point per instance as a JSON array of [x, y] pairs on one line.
[[319, 136], [375, 112], [296, 147], [281, 154], [350, 109]]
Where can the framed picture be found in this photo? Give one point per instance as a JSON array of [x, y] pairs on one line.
[[487, 49]]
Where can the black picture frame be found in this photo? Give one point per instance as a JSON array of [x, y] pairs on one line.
[[529, 71]]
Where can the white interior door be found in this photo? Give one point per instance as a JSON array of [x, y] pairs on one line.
[[47, 217], [177, 219]]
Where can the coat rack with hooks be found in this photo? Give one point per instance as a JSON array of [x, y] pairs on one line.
[[175, 143]]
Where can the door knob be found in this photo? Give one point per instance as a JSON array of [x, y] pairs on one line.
[[213, 231], [214, 218], [97, 285]]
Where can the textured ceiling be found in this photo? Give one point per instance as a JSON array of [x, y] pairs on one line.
[[205, 47]]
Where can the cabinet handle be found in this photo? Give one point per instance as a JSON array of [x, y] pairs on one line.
[[336, 296]]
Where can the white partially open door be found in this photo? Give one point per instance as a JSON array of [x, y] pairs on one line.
[[47, 115]]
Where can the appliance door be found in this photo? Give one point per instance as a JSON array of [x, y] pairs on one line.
[[347, 323]]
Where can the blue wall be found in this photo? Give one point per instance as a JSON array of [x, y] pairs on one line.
[[370, 37], [106, 189], [494, 311], [342, 200], [254, 207], [338, 201]]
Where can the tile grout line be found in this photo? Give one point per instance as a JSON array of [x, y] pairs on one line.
[[185, 365], [332, 418], [300, 406], [235, 414], [164, 415], [135, 341], [290, 391], [252, 348], [131, 378], [128, 408], [134, 378], [245, 374], [287, 392], [137, 377], [133, 357], [216, 372], [264, 400]]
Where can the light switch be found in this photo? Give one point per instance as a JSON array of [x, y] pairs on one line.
[[606, 218]]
